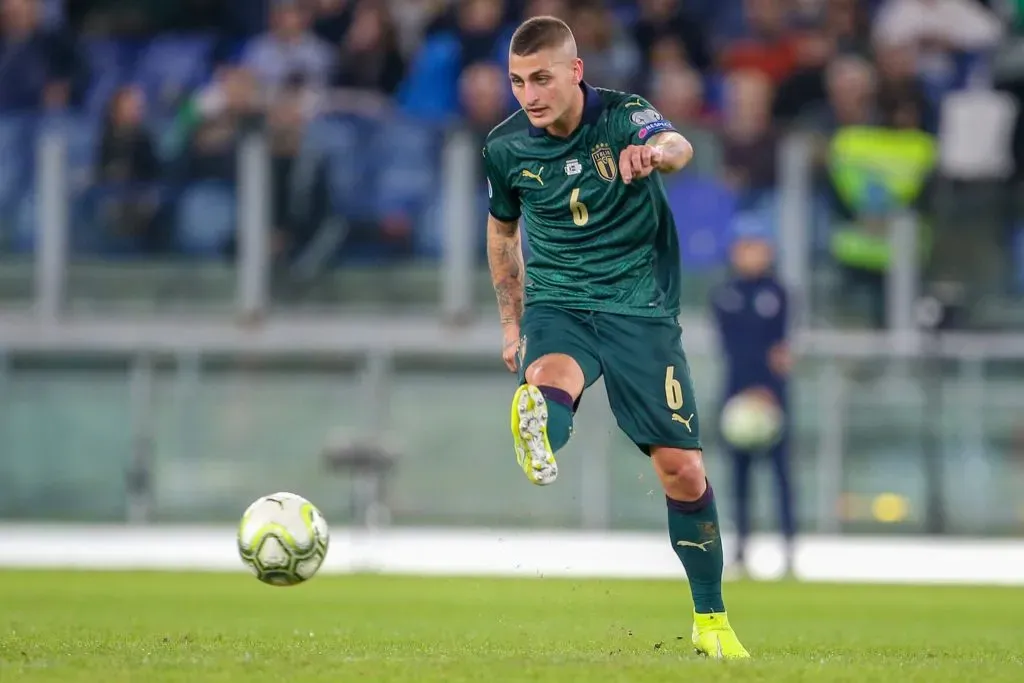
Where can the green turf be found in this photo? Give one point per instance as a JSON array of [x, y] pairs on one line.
[[193, 627]]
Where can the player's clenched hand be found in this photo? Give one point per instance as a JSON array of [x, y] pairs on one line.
[[638, 161], [510, 347]]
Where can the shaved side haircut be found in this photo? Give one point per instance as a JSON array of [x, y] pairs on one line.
[[541, 33]]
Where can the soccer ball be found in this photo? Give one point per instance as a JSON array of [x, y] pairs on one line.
[[283, 539], [751, 420]]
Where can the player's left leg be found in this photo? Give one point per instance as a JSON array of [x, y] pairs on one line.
[[742, 462], [556, 363], [651, 394]]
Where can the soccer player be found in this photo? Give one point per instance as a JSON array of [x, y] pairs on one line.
[[600, 296], [750, 311]]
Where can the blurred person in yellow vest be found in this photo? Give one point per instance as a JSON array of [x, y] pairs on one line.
[[874, 172]]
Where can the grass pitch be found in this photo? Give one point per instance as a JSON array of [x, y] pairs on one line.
[[157, 628]]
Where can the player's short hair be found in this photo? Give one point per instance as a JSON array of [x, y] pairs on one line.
[[540, 33]]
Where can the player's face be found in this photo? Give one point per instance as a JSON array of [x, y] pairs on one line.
[[545, 84]]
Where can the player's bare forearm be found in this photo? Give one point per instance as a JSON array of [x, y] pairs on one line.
[[675, 151], [505, 258]]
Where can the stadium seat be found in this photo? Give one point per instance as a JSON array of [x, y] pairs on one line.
[[16, 164], [108, 63], [340, 143], [205, 218], [704, 209], [1018, 259], [82, 140], [406, 180], [171, 66]]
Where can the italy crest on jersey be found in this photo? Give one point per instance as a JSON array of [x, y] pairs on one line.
[[604, 161]]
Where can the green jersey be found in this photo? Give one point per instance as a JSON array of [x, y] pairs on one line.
[[594, 242]]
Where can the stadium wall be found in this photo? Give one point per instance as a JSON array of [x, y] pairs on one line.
[[485, 552]]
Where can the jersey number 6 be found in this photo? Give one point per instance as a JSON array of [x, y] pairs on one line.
[[580, 215], [673, 389]]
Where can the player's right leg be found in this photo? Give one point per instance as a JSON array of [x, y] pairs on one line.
[[651, 394], [779, 456], [556, 364]]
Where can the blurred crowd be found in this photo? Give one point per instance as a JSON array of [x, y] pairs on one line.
[[158, 95]]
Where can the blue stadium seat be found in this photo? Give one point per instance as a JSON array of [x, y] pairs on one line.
[[704, 210], [16, 165], [108, 63], [206, 218], [19, 140], [1018, 259], [341, 143], [23, 234], [170, 66], [408, 180]]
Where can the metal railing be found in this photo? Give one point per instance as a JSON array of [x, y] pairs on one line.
[[460, 175]]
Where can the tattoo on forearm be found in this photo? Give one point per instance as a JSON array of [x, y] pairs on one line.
[[505, 258], [676, 152]]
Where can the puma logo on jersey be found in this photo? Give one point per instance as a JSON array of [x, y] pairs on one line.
[[534, 176], [634, 103], [676, 417]]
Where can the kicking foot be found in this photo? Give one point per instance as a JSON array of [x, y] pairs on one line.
[[530, 432]]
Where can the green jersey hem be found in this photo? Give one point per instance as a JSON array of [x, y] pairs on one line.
[[599, 307]]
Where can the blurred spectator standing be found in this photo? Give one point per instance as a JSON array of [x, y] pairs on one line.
[[128, 165], [484, 98], [289, 51], [667, 20], [330, 80], [876, 172], [609, 53], [332, 19], [938, 31], [466, 33], [36, 64], [768, 45], [224, 109], [749, 138], [369, 57]]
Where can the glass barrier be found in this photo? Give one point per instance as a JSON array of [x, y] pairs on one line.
[[225, 433]]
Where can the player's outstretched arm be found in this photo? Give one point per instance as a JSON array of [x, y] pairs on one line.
[[667, 152], [505, 258]]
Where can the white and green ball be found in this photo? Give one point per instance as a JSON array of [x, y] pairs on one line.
[[283, 539], [751, 421]]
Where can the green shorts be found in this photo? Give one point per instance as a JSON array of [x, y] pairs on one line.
[[646, 375]]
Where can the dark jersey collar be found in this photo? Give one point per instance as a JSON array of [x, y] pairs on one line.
[[592, 106]]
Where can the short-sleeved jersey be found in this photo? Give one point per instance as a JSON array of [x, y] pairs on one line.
[[595, 243]]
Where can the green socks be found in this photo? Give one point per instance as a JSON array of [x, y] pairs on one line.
[[693, 528], [560, 412]]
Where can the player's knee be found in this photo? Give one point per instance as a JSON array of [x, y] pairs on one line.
[[556, 370], [681, 472]]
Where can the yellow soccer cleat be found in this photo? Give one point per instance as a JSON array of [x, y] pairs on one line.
[[530, 433], [713, 637]]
